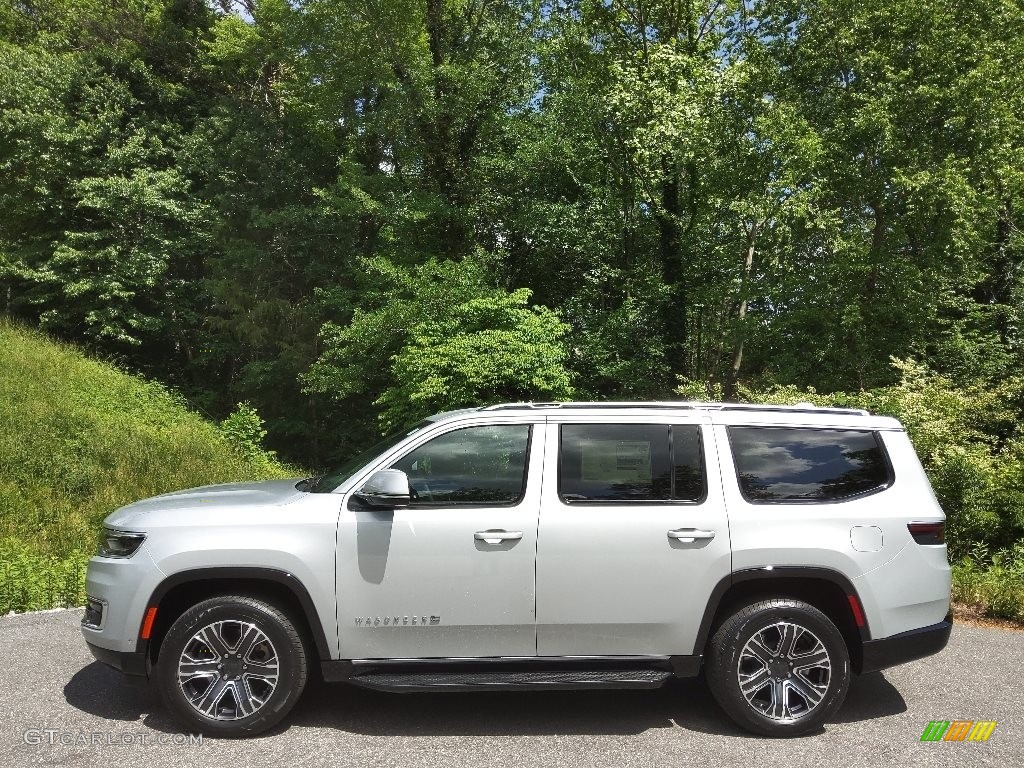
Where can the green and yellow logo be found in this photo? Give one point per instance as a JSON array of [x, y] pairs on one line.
[[958, 730]]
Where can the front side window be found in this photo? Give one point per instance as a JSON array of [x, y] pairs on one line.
[[630, 462], [807, 464], [474, 465]]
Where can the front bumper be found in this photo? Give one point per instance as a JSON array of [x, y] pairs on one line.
[[906, 646], [133, 663], [121, 588]]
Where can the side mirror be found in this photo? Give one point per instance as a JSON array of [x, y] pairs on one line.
[[386, 488]]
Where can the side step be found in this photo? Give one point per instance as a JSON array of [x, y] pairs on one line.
[[477, 680]]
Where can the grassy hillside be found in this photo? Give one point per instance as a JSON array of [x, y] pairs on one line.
[[79, 438]]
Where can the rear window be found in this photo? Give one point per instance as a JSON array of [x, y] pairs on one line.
[[630, 462], [804, 464]]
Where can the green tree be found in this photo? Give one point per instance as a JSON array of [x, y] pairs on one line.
[[915, 188], [441, 336], [489, 349], [102, 232]]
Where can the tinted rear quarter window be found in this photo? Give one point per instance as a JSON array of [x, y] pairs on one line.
[[808, 464]]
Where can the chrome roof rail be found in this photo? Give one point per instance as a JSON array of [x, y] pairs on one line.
[[676, 405]]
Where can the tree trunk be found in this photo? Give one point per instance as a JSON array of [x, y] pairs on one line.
[[741, 315], [860, 352], [675, 319]]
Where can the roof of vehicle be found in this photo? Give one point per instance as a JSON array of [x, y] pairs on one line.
[[721, 413]]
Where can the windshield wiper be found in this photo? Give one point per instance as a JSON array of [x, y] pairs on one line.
[[308, 484]]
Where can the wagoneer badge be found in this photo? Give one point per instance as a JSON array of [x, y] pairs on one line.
[[396, 621]]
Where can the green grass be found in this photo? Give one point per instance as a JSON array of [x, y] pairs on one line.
[[79, 438]]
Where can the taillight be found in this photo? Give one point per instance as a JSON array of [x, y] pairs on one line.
[[928, 533]]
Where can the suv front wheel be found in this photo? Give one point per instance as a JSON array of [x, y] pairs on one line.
[[778, 667], [231, 666]]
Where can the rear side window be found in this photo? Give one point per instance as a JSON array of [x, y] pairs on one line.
[[804, 464], [630, 462]]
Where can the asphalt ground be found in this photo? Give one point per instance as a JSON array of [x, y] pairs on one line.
[[60, 707]]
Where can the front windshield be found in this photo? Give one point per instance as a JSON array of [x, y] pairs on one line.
[[339, 475]]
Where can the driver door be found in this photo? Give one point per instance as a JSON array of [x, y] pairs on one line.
[[452, 575]]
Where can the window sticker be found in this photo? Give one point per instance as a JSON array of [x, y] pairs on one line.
[[616, 461]]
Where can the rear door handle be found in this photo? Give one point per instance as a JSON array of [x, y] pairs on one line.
[[497, 536], [690, 535]]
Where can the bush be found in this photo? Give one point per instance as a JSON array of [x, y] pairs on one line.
[[245, 432], [995, 584]]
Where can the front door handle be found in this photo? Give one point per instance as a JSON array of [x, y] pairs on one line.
[[497, 536], [690, 535]]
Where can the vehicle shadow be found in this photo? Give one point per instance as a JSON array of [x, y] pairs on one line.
[[871, 696], [98, 690], [686, 704]]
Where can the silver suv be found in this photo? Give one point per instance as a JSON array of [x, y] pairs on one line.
[[549, 545]]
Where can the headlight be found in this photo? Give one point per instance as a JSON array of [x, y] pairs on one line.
[[119, 543]]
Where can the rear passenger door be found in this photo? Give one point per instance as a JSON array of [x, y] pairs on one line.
[[633, 535]]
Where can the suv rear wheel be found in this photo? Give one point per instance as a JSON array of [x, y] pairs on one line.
[[779, 667], [231, 666]]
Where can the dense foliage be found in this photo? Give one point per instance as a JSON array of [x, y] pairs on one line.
[[350, 213]]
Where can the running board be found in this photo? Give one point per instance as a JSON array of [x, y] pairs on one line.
[[510, 672], [480, 680]]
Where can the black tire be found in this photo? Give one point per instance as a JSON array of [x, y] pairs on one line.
[[271, 644], [796, 679]]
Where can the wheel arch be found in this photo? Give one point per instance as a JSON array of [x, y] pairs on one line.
[[827, 590], [179, 591]]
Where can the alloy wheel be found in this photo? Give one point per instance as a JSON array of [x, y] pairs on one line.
[[228, 670], [784, 671]]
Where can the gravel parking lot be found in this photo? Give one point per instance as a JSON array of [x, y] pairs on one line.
[[53, 691]]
